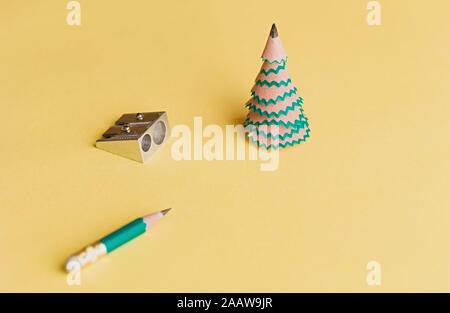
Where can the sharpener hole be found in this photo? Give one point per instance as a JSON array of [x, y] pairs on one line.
[[159, 132], [146, 143]]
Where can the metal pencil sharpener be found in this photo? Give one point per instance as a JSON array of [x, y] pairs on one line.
[[136, 136]]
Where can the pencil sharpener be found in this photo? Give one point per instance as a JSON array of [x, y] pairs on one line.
[[136, 135]]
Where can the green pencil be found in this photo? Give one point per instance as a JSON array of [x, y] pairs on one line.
[[109, 243]]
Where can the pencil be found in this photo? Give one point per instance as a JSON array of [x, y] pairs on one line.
[[109, 243]]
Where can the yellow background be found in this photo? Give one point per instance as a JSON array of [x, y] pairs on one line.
[[372, 182]]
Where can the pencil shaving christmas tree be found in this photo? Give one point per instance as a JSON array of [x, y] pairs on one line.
[[275, 117]]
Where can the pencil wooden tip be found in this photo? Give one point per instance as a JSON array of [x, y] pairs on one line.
[[164, 212], [273, 31]]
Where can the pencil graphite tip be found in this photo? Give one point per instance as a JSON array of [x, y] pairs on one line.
[[273, 31], [164, 212]]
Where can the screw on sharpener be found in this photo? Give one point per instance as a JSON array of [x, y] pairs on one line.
[[136, 135], [126, 128]]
